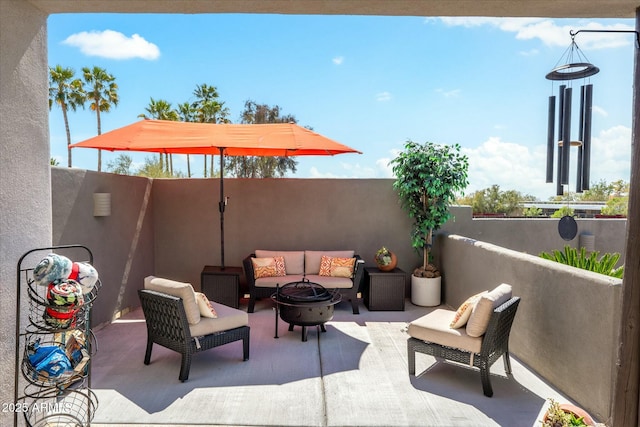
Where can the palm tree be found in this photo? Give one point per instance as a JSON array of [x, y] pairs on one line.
[[187, 113], [102, 93], [66, 92], [209, 110], [161, 110]]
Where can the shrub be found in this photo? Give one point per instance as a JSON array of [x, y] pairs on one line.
[[605, 265]]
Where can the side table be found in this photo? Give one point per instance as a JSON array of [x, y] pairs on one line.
[[384, 290], [222, 285]]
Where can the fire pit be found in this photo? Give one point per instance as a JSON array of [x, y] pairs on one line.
[[305, 304]]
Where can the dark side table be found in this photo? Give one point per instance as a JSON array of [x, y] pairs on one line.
[[222, 285], [384, 290]]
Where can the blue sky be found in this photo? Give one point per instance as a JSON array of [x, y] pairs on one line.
[[367, 82]]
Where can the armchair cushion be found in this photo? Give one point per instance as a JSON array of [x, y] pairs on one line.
[[177, 289], [228, 318], [464, 311], [434, 327], [205, 306], [479, 319]]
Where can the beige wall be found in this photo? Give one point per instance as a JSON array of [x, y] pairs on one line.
[[171, 227], [566, 327], [25, 192], [122, 243]]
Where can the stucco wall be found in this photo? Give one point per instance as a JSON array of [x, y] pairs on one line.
[[540, 234], [566, 327], [122, 243], [25, 193]]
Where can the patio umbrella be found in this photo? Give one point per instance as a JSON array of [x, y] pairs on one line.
[[172, 137]]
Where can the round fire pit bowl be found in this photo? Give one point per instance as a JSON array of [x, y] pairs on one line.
[[305, 303]]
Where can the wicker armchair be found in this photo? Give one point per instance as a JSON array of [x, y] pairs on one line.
[[167, 326], [495, 343]]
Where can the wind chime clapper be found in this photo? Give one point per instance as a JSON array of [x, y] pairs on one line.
[[568, 71]]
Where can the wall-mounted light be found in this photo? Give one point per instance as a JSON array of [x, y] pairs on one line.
[[101, 204]]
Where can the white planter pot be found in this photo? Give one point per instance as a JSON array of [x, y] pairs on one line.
[[425, 291]]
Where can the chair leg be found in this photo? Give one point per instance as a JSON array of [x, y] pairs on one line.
[[485, 376], [185, 366], [411, 353], [507, 362], [354, 305], [147, 354], [245, 347], [252, 303]]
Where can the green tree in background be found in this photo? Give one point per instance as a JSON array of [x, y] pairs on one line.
[[598, 192], [209, 109], [153, 169], [259, 166], [532, 212], [161, 110], [102, 94], [187, 113], [121, 165], [562, 212], [494, 201], [66, 92], [54, 162]]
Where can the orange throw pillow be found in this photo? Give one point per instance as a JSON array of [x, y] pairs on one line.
[[342, 267], [268, 267], [464, 311]]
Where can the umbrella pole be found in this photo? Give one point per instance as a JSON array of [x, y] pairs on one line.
[[221, 207]]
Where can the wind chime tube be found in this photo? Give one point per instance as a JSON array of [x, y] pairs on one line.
[[566, 136], [559, 190], [551, 137], [580, 138], [586, 140]]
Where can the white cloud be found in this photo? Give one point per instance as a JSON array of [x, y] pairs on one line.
[[547, 31], [611, 155], [510, 165], [338, 60], [449, 93], [383, 96], [531, 52], [113, 45], [599, 110]]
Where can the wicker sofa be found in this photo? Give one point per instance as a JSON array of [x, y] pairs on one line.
[[304, 264], [479, 344], [173, 316]]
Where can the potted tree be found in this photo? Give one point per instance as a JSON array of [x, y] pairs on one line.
[[428, 176]]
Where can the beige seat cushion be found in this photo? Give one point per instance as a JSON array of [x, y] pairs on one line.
[[434, 327], [228, 318], [272, 282], [479, 319], [330, 282], [312, 259], [177, 289], [293, 260]]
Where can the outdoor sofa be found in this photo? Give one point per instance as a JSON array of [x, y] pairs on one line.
[[267, 269]]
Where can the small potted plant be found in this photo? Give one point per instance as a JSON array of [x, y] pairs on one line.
[[385, 259], [565, 415], [428, 176]]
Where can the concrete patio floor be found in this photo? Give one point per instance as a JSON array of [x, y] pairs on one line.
[[355, 374]]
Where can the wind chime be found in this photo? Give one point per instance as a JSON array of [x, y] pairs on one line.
[[574, 66]]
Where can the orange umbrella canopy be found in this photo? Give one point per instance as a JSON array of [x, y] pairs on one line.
[[163, 136]]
